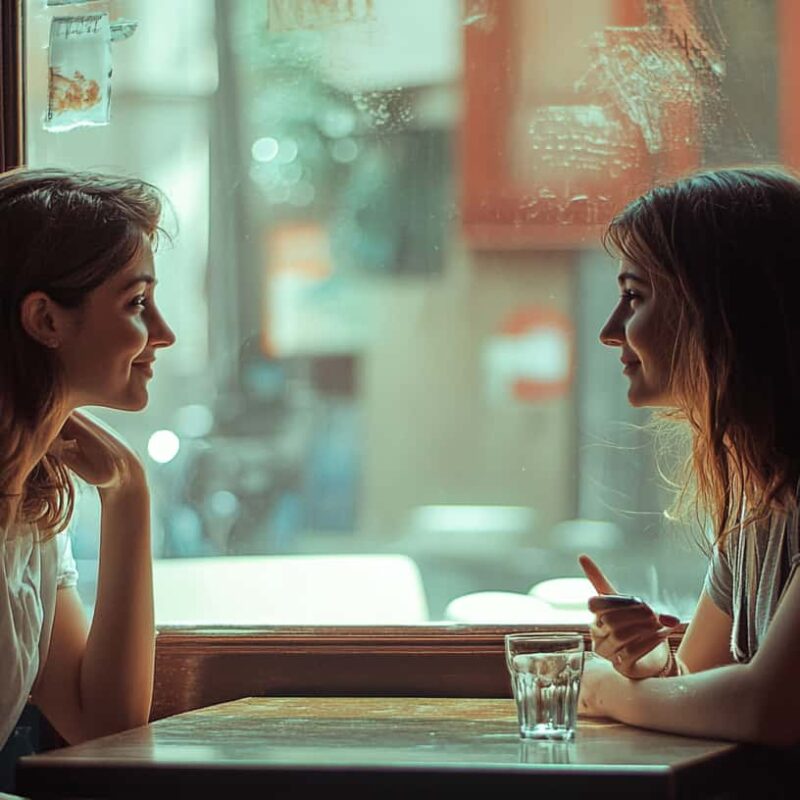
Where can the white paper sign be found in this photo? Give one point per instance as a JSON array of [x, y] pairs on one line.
[[79, 91]]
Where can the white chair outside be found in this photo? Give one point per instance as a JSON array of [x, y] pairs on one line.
[[567, 598], [289, 590], [555, 601]]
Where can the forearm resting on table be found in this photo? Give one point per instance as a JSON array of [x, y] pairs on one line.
[[724, 702]]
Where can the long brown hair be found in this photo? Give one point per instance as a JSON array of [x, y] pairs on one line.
[[723, 248], [64, 234]]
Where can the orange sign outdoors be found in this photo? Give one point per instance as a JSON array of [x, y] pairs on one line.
[[531, 358]]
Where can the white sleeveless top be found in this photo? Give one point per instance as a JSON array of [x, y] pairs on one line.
[[30, 574]]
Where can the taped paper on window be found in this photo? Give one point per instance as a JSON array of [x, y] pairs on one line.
[[290, 15], [79, 91]]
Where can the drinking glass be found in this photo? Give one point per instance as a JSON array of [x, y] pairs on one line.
[[546, 678]]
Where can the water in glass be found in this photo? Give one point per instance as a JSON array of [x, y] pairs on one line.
[[546, 687]]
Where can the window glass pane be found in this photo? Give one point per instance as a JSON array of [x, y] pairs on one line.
[[387, 402]]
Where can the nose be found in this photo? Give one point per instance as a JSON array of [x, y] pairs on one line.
[[160, 334], [612, 333]]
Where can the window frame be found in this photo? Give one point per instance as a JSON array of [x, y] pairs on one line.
[[198, 667], [11, 94], [787, 14]]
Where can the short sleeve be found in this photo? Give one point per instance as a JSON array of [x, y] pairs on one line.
[[719, 581], [67, 569]]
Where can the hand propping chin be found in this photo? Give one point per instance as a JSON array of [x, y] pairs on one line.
[[96, 454]]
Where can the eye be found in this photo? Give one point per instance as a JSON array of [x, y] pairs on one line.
[[629, 295], [140, 301]]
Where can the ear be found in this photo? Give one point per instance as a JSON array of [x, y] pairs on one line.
[[41, 319]]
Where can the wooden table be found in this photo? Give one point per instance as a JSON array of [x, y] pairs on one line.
[[377, 747]]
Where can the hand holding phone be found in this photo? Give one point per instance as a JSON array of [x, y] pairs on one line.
[[610, 601], [626, 630]]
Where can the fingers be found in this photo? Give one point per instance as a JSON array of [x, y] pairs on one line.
[[620, 628], [625, 628], [624, 651], [639, 615], [595, 576], [602, 603], [622, 617], [619, 623], [63, 448], [607, 641], [83, 422], [94, 453], [623, 624]]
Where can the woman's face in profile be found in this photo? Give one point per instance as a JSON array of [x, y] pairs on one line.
[[640, 325], [108, 354]]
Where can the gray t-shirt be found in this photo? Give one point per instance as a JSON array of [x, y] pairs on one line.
[[747, 578]]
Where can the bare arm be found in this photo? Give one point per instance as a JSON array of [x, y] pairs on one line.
[[706, 643], [99, 680], [756, 702]]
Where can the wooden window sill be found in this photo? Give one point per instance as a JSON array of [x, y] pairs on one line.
[[197, 667]]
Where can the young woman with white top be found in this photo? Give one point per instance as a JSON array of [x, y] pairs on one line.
[[79, 327], [708, 328]]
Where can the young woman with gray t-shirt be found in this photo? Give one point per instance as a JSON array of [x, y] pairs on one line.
[[709, 332]]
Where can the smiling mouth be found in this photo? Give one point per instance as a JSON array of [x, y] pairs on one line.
[[630, 366], [145, 367]]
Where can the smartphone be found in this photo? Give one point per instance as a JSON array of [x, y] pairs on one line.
[[620, 600]]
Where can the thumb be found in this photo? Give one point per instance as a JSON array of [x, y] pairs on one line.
[[595, 576]]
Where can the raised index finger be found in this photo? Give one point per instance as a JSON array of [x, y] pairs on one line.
[[595, 576]]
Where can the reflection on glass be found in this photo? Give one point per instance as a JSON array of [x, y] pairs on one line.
[[540, 752], [387, 281]]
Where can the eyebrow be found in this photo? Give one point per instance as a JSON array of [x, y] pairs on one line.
[[629, 276], [144, 277]]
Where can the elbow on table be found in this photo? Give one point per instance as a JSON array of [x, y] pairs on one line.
[[132, 717], [774, 735], [110, 723], [776, 722]]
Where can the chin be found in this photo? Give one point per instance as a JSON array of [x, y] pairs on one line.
[[639, 400], [129, 403], [137, 404]]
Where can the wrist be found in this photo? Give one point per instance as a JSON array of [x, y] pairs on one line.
[[670, 666], [653, 664], [611, 690]]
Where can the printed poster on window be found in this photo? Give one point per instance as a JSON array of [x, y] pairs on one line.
[[79, 90]]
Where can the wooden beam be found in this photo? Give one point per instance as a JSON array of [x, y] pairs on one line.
[[11, 95]]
